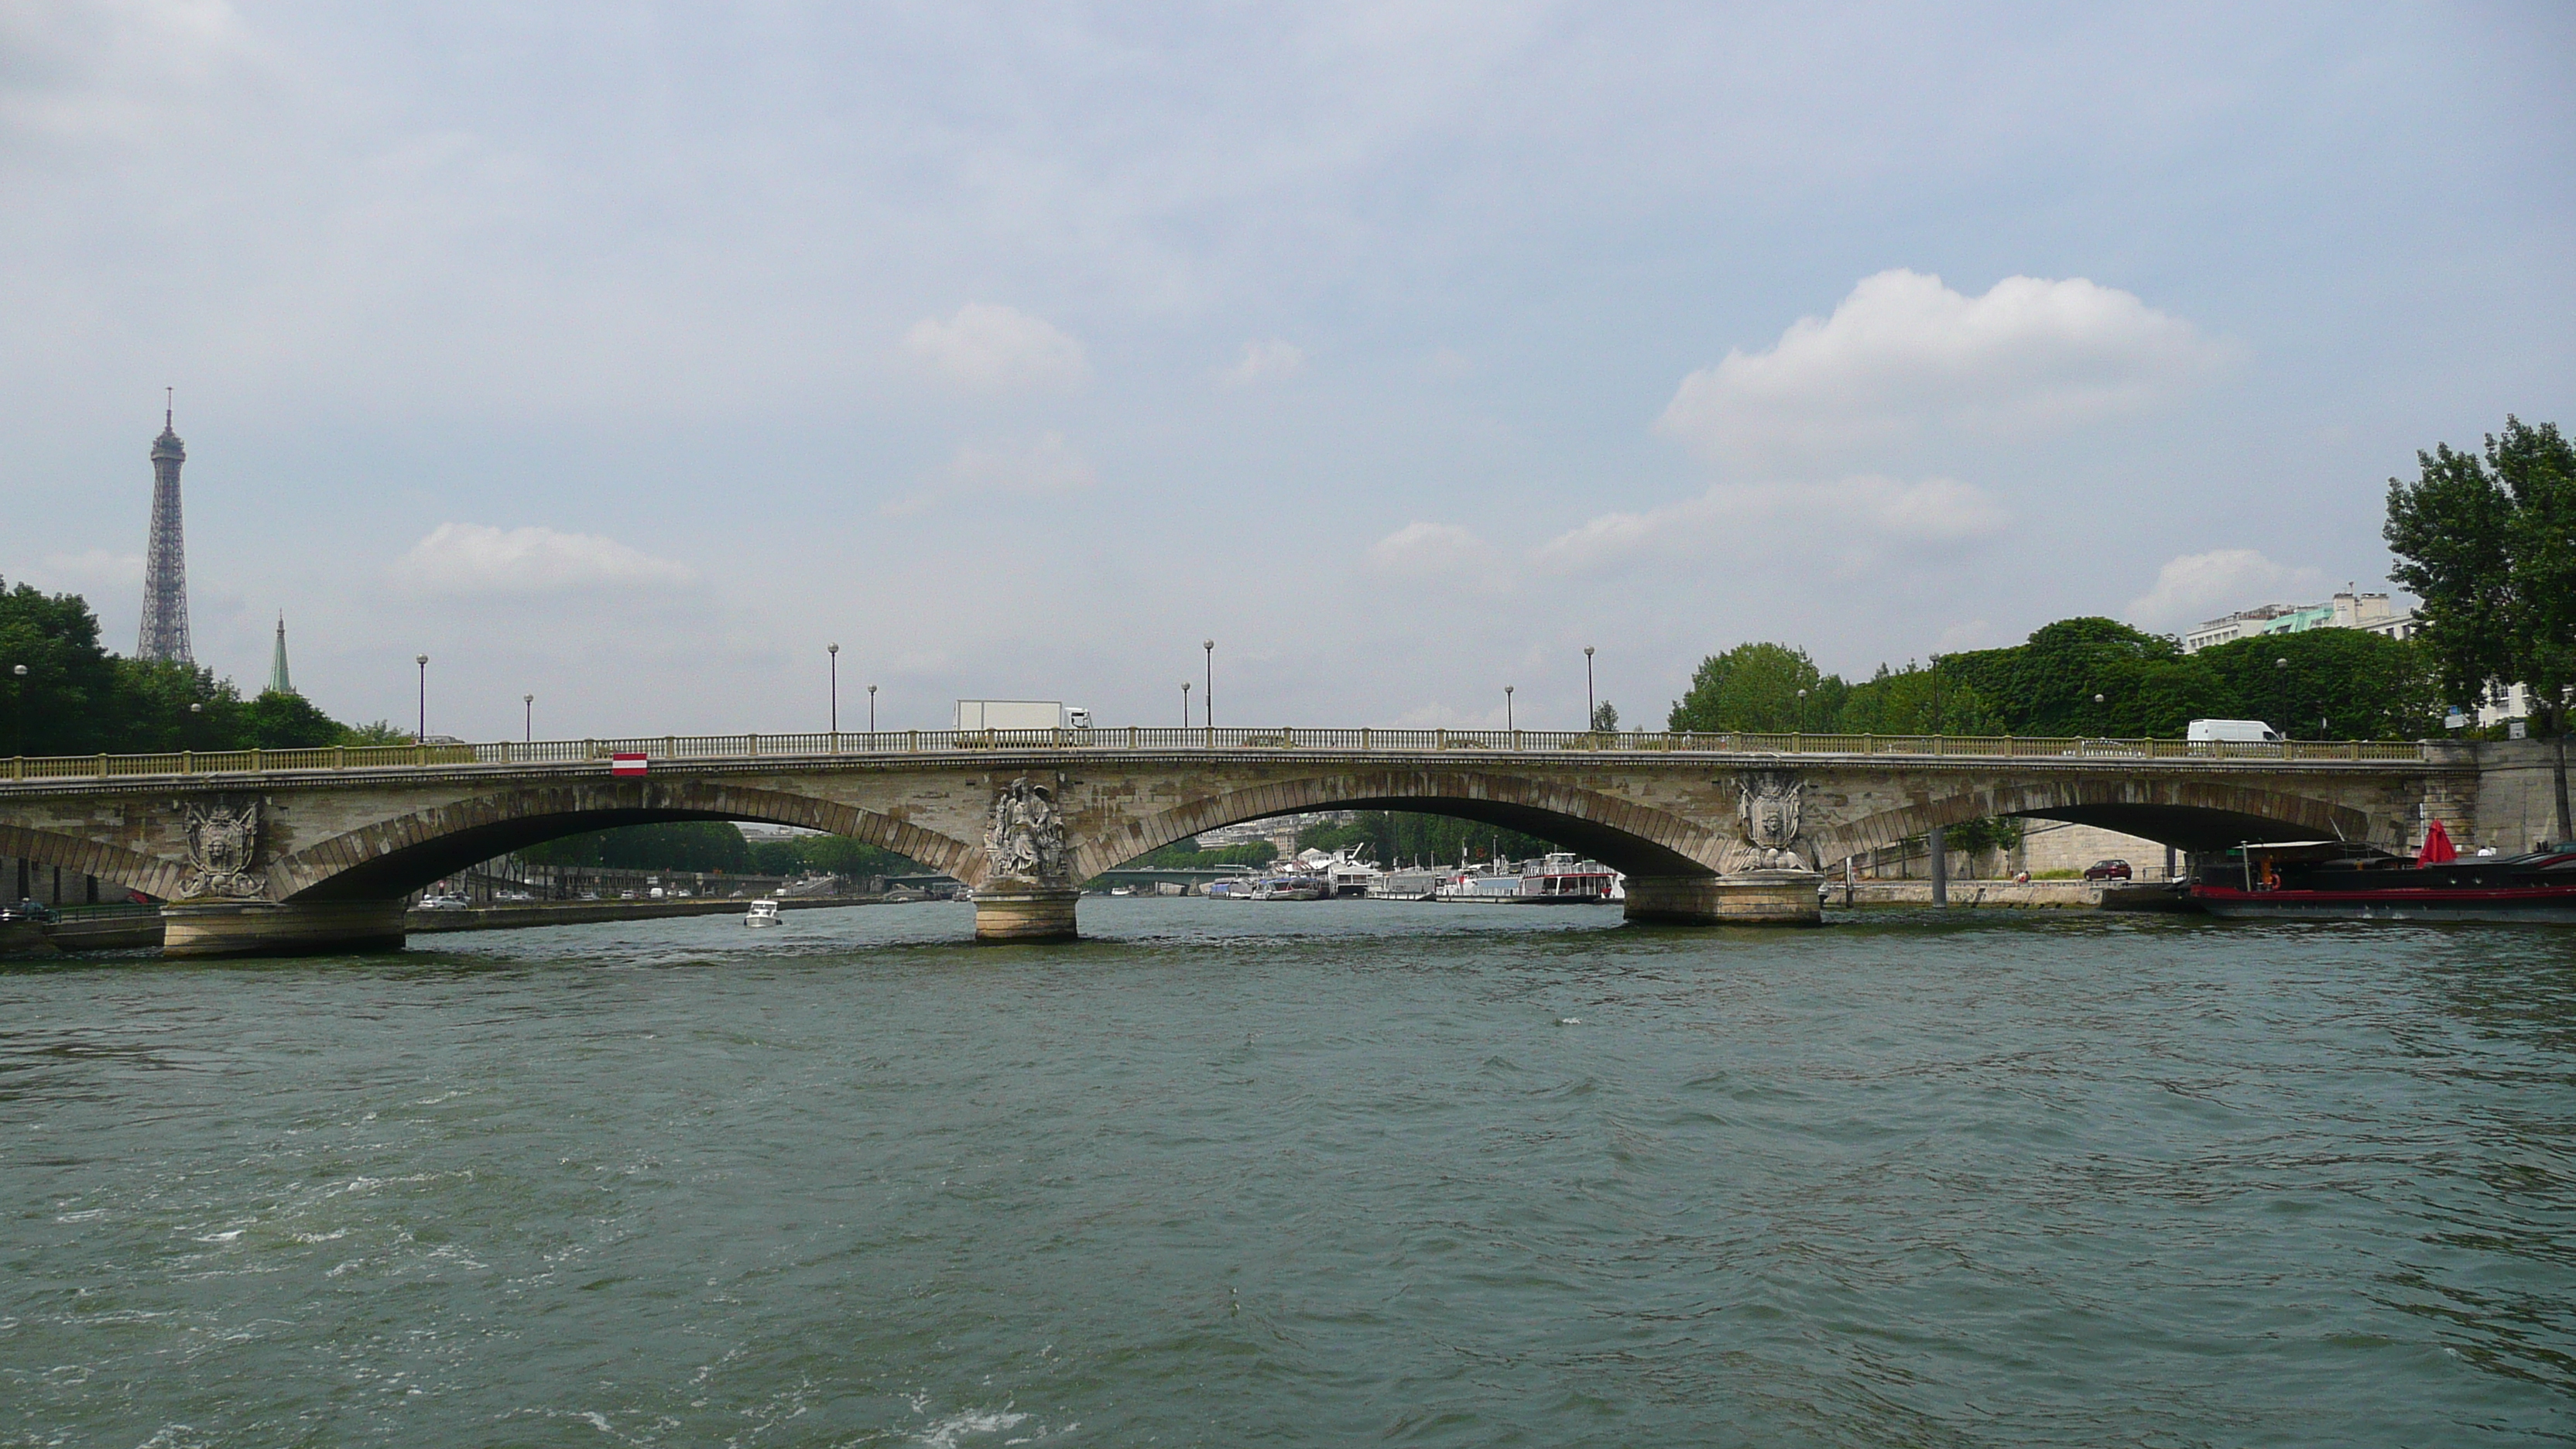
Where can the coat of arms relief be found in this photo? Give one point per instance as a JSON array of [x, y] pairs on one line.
[[223, 848], [1769, 810], [1024, 839]]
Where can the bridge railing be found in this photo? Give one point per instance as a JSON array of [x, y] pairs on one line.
[[1282, 740]]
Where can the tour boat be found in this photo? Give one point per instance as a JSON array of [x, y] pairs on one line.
[[1291, 888], [1563, 880], [763, 912], [2334, 879]]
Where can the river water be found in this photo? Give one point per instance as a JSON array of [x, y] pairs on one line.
[[1302, 1173]]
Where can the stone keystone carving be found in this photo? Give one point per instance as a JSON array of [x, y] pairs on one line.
[[1769, 806], [223, 844], [1025, 840]]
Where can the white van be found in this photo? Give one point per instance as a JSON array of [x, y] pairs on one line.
[[2230, 732]]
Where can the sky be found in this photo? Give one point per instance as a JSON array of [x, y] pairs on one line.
[[628, 356]]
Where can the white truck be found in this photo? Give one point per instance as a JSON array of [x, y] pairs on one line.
[[2230, 732], [1021, 714]]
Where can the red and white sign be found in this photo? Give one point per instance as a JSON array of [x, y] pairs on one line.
[[626, 764]]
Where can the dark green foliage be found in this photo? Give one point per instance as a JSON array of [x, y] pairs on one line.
[[2340, 684], [2045, 686], [831, 854], [1915, 701], [2489, 545], [1393, 836], [79, 699], [1753, 688], [1186, 855], [671, 845], [282, 721], [1992, 832], [1605, 717]]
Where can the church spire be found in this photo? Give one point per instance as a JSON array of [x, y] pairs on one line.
[[277, 661]]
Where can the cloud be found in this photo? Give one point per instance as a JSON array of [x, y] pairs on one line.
[[87, 572], [995, 347], [474, 558], [2200, 586], [1440, 552], [119, 70], [1045, 467], [1866, 512], [1266, 362], [1904, 355]]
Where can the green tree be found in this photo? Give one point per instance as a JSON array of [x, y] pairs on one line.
[[2489, 546], [279, 720], [1753, 689], [1605, 718], [70, 684], [2337, 684], [2045, 685], [692, 845], [1915, 701]]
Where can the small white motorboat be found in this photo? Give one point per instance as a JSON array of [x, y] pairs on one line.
[[763, 912]]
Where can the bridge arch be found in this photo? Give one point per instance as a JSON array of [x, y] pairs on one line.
[[2195, 815], [1623, 834], [399, 855], [131, 869]]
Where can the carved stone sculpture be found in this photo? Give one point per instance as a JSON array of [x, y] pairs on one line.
[[1025, 839], [223, 845], [1769, 809]]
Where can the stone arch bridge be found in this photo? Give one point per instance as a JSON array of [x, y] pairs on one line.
[[276, 851]]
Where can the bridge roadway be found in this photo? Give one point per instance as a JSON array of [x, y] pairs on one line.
[[275, 851]]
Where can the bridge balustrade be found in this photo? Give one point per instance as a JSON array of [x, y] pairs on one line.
[[1137, 738]]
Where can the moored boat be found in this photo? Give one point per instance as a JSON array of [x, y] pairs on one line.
[[2333, 879]]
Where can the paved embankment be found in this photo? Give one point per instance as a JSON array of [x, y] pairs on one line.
[[142, 932], [573, 913], [2060, 894]]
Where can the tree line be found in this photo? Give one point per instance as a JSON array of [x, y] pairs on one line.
[[718, 846], [78, 698], [2084, 676]]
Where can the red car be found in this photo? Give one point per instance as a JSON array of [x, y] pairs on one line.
[[2107, 870]]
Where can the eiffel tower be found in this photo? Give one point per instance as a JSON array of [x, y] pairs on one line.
[[165, 565]]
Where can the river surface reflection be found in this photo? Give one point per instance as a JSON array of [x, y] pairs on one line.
[[1302, 1173]]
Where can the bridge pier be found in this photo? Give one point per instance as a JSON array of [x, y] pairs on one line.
[[1017, 913], [1755, 898], [281, 928]]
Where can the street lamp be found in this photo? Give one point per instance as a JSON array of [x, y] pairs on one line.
[[1802, 711], [1507, 709], [18, 706], [2281, 675], [1591, 711], [528, 720], [421, 735], [872, 711], [1185, 704], [835, 651], [1207, 700]]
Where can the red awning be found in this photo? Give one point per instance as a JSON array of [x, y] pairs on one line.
[[2437, 846]]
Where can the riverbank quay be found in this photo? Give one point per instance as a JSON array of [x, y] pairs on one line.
[[142, 931], [2074, 895]]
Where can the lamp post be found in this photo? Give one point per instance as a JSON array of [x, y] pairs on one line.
[[1207, 700], [1802, 711], [2281, 676], [421, 735], [18, 706], [834, 650], [528, 719], [1936, 694], [1591, 711], [2102, 723], [1185, 704], [872, 713], [1507, 709]]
